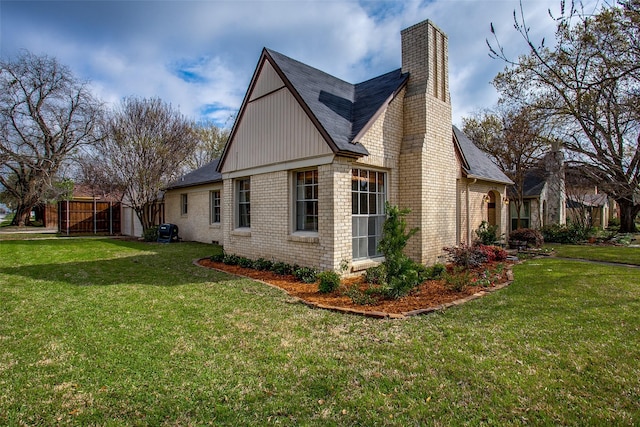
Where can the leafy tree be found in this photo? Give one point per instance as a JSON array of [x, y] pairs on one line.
[[515, 139], [46, 114], [589, 83], [147, 146]]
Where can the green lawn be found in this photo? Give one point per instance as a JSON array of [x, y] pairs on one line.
[[621, 254], [108, 332]]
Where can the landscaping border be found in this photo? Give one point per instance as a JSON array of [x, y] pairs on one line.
[[375, 314]]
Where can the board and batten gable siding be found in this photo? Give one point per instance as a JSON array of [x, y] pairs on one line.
[[273, 128]]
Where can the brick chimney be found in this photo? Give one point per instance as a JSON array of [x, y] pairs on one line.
[[428, 162]]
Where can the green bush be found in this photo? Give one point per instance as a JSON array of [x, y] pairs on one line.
[[435, 271], [245, 262], [150, 234], [329, 281], [305, 274], [218, 257], [487, 234], [376, 275], [231, 259], [529, 235], [567, 234], [458, 279], [262, 264], [402, 274], [282, 268]]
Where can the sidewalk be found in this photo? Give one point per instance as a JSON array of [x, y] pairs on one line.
[[27, 230]]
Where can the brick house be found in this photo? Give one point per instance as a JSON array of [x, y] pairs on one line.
[[311, 160]]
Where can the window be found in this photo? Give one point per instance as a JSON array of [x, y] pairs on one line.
[[183, 204], [368, 195], [307, 200], [525, 215], [214, 206], [244, 202]]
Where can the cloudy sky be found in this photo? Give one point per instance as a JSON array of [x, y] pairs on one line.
[[199, 55]]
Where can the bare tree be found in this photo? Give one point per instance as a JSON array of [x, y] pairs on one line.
[[589, 82], [45, 115], [515, 140], [211, 141], [147, 146]]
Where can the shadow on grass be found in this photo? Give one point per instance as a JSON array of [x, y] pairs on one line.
[[145, 264]]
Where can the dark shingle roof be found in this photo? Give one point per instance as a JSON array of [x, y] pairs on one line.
[[478, 164], [207, 174], [341, 109]]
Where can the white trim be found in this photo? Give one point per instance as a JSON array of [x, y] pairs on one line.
[[276, 167]]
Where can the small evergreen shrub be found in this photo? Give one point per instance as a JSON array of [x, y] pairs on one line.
[[458, 279], [529, 235], [245, 262], [376, 275], [329, 281], [401, 273], [367, 297], [150, 234], [567, 234], [435, 271], [282, 268], [262, 264], [465, 255], [487, 234], [218, 257], [305, 274], [231, 259]]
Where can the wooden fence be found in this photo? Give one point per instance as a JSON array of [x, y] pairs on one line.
[[89, 216]]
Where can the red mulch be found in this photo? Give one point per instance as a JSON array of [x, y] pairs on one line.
[[431, 293]]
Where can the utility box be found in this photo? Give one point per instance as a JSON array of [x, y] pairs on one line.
[[168, 233]]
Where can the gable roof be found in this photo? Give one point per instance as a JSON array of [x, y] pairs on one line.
[[341, 111], [207, 174], [477, 163]]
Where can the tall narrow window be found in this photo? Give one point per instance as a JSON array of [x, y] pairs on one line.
[[214, 206], [244, 202], [368, 195], [183, 204], [307, 200]]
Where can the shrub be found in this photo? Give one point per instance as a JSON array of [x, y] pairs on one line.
[[376, 275], [529, 235], [367, 297], [493, 253], [231, 259], [282, 268], [435, 272], [458, 279], [305, 274], [487, 234], [262, 264], [566, 234], [329, 281], [401, 273], [150, 234], [245, 262], [465, 256], [218, 257]]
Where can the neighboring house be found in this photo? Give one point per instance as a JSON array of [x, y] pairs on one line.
[[311, 161], [585, 203], [544, 195]]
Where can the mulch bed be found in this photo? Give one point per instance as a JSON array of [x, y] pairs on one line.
[[429, 296]]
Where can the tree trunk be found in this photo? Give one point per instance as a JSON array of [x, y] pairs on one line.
[[23, 214], [628, 213]]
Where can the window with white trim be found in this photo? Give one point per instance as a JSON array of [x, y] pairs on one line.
[[243, 193], [214, 206], [307, 200], [368, 196]]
